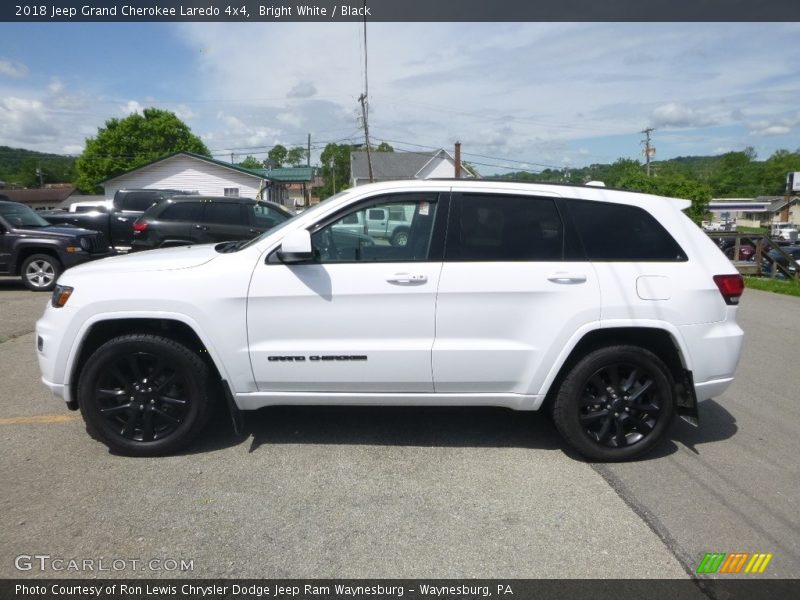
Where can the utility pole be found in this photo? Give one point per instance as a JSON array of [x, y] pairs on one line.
[[231, 157], [363, 99], [308, 152], [364, 111], [648, 149]]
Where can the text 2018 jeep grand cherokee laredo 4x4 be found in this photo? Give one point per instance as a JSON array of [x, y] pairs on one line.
[[609, 308]]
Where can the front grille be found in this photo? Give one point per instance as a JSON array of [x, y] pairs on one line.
[[94, 244]]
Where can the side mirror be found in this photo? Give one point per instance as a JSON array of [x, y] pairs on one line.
[[296, 247]]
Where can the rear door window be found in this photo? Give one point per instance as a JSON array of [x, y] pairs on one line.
[[182, 211], [222, 213], [500, 228]]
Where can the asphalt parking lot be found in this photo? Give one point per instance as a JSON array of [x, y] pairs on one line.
[[362, 492]]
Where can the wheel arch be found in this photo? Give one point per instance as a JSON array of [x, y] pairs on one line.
[[103, 329], [24, 252], [659, 340]]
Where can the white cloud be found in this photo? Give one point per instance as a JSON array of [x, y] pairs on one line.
[[184, 112], [25, 119], [673, 114], [132, 107], [303, 89], [12, 68]]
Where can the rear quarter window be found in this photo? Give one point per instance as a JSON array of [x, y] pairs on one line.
[[182, 211], [618, 232]]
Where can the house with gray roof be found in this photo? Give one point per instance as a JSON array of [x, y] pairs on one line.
[[391, 166], [211, 177]]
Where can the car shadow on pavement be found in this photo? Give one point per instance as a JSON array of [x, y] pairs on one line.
[[478, 427], [385, 426], [13, 283], [716, 424]]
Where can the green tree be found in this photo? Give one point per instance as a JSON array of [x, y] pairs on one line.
[[124, 144], [623, 169], [335, 170], [384, 147], [296, 156], [675, 185], [736, 174], [773, 175], [277, 156], [251, 162]]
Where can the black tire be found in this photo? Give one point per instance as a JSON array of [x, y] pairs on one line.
[[399, 237], [40, 272], [615, 404], [144, 395]]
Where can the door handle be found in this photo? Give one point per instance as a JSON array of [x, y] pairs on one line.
[[203, 227], [407, 279], [122, 218], [566, 278]]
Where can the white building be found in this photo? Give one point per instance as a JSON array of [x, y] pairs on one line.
[[192, 173]]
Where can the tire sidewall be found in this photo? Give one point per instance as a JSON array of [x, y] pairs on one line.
[[57, 270], [176, 355], [566, 410], [396, 237]]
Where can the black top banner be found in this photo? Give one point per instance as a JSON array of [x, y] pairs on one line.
[[401, 10]]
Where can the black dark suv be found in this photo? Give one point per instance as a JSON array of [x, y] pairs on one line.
[[38, 251], [182, 220]]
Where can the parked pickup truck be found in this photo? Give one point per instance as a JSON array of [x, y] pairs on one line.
[[114, 221], [390, 222], [38, 251]]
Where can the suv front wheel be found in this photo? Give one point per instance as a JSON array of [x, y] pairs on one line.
[[144, 395], [615, 403], [40, 272]]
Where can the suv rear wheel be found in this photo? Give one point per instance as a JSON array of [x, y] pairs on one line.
[[40, 272], [615, 404], [144, 395]]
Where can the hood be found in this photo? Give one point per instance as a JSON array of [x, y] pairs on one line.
[[55, 231], [166, 259]]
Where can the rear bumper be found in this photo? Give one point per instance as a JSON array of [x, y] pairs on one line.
[[715, 351]]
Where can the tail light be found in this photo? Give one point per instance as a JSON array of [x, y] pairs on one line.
[[140, 226], [730, 286]]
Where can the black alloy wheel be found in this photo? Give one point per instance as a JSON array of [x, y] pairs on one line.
[[615, 404], [619, 407], [144, 395]]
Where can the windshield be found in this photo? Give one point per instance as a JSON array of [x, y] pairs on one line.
[[19, 215], [308, 211]]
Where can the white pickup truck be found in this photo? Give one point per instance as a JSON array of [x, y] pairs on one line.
[[784, 231], [389, 222]]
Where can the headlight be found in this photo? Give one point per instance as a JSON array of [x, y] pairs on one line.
[[61, 294], [86, 244]]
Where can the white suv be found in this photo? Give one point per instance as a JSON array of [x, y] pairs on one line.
[[610, 309]]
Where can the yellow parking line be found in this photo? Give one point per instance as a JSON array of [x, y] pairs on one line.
[[36, 419]]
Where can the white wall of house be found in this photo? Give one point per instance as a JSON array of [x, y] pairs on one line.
[[439, 168], [186, 173]]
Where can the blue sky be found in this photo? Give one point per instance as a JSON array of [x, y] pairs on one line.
[[517, 95]]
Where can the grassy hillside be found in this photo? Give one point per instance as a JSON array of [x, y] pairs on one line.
[[18, 167], [731, 175]]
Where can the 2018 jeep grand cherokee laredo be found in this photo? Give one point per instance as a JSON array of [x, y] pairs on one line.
[[611, 309]]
